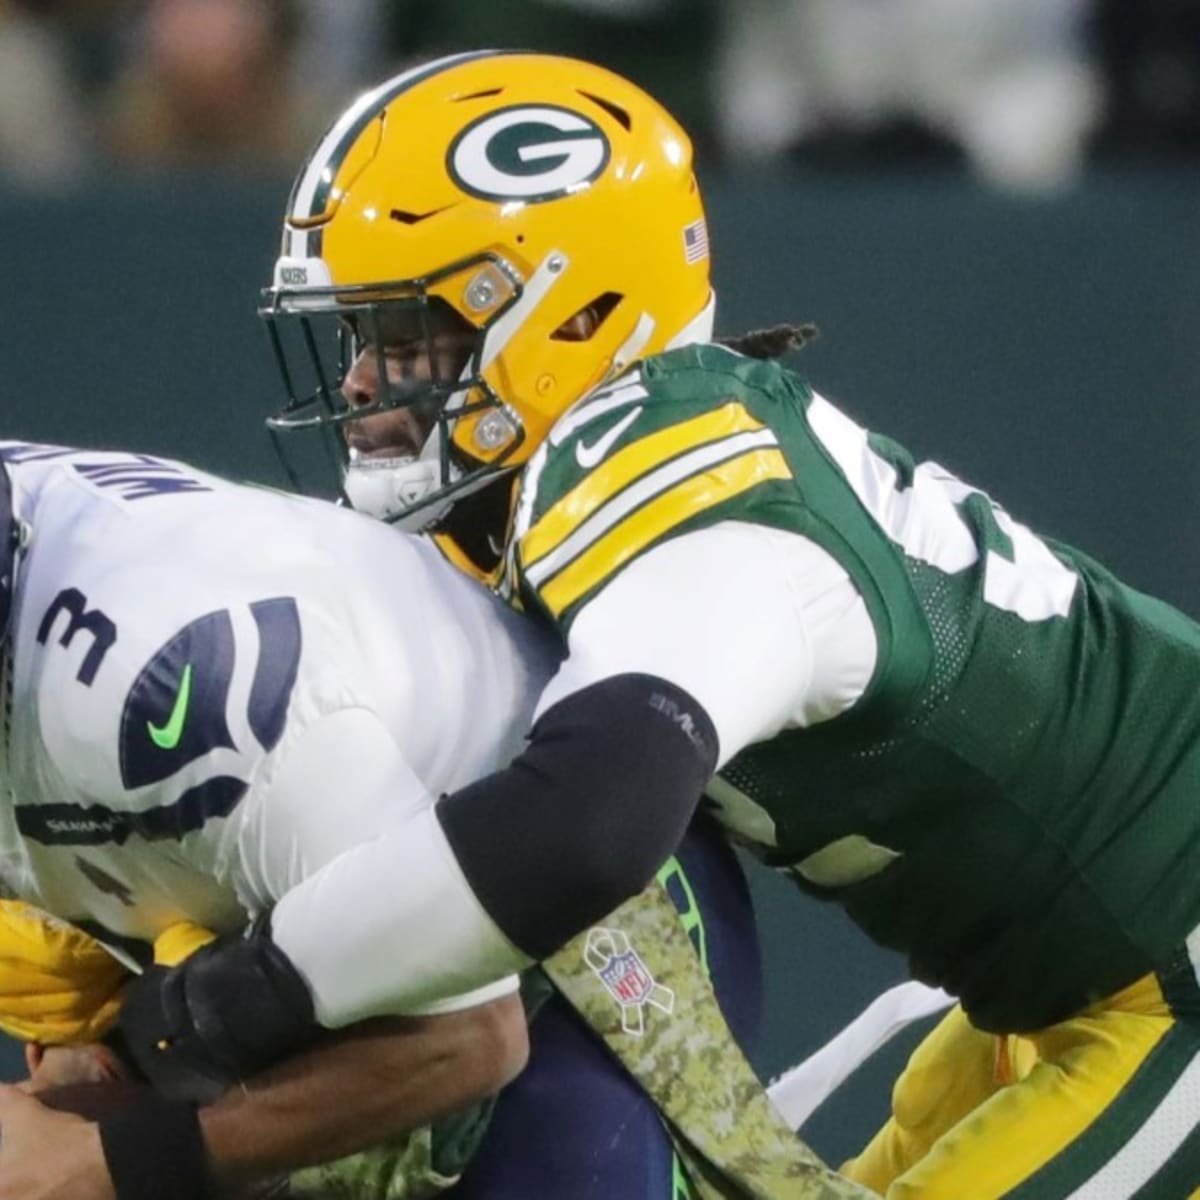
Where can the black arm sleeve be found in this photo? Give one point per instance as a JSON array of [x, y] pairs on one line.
[[585, 816]]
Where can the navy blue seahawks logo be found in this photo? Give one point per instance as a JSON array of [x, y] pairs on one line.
[[529, 152], [175, 710], [174, 714]]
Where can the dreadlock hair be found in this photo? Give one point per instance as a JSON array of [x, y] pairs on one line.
[[774, 342]]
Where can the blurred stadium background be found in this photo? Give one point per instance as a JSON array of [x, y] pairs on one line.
[[991, 210]]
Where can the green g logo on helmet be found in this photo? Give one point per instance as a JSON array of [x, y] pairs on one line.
[[528, 153]]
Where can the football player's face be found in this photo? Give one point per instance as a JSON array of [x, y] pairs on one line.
[[406, 357]]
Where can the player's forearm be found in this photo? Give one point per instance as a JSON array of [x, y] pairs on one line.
[[363, 1087]]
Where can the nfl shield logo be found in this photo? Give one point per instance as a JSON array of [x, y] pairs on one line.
[[626, 977]]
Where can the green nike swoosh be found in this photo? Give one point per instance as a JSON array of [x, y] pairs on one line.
[[166, 737]]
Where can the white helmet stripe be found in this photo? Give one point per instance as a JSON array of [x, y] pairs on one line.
[[631, 348], [312, 187], [548, 273]]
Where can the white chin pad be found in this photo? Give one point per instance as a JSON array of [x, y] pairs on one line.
[[384, 487]]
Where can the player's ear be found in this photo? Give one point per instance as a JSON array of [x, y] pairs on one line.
[[34, 1051], [581, 325]]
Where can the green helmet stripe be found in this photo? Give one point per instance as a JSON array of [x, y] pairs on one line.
[[310, 193]]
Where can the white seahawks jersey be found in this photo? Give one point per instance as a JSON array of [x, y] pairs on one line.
[[215, 689]]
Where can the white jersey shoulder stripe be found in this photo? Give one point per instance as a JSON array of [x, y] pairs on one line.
[[596, 405], [613, 511], [624, 391]]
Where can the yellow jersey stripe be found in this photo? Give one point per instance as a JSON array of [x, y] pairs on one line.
[[635, 460], [641, 492], [628, 538]]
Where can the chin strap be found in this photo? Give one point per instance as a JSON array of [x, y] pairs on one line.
[[386, 488]]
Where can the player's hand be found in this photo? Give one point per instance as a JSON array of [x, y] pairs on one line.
[[47, 1155], [227, 1012]]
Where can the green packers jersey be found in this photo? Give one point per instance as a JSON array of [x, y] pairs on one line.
[[1014, 799]]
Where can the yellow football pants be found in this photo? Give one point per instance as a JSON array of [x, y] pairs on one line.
[[1104, 1106]]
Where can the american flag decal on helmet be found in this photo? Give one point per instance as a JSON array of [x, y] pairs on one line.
[[695, 241]]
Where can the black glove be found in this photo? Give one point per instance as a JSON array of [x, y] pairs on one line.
[[230, 1010]]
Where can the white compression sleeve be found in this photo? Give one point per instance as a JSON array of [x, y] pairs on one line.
[[328, 840], [762, 627], [392, 926]]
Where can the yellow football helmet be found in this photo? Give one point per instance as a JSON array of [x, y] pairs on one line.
[[517, 191]]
